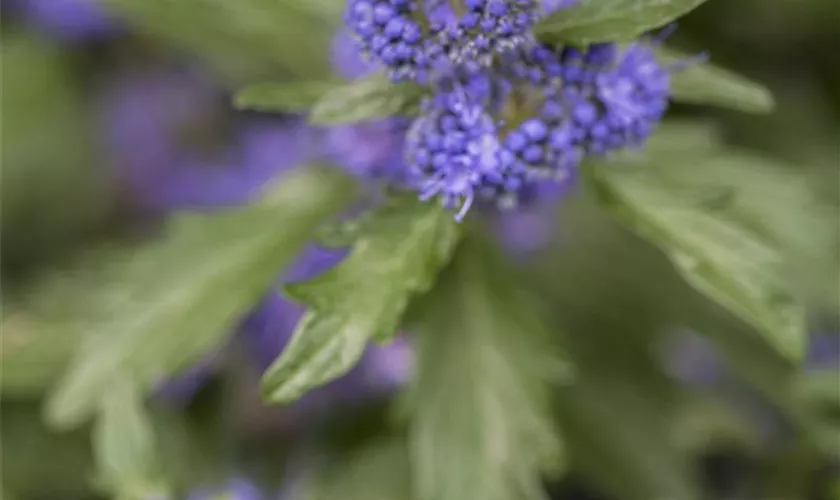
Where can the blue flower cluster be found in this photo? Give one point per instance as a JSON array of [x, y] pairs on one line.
[[387, 33], [507, 111], [454, 152]]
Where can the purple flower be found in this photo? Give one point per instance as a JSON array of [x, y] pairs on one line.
[[613, 98], [369, 150], [386, 33], [390, 366], [824, 351], [145, 117], [346, 58], [485, 28], [545, 145], [258, 153], [532, 225], [551, 6], [693, 360], [71, 20], [182, 387], [454, 153]]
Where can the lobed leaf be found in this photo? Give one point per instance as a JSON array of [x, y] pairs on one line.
[[716, 219], [155, 310], [367, 98], [398, 254], [376, 471], [621, 437], [32, 354], [251, 39], [288, 97], [479, 413], [705, 83], [591, 21], [125, 446]]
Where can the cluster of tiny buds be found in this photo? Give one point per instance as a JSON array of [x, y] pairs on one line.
[[388, 33], [487, 28], [453, 153], [409, 37], [507, 111]]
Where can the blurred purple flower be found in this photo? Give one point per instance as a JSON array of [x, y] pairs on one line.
[[182, 387], [532, 225], [551, 6], [693, 360], [144, 118], [824, 351], [369, 150], [70, 20], [147, 116], [262, 151], [346, 58], [390, 366]]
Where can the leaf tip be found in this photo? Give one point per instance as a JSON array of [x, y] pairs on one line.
[[60, 413], [276, 392]]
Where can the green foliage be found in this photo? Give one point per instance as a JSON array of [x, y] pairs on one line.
[[153, 311], [52, 191], [820, 386], [623, 438], [397, 253], [335, 102], [714, 217], [611, 295], [479, 412], [376, 471], [591, 21], [289, 97], [704, 83], [6, 494], [245, 40], [125, 446], [37, 462], [366, 98], [33, 354]]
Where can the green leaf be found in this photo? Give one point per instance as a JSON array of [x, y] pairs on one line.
[[376, 471], [479, 412], [246, 41], [713, 216], [288, 97], [764, 369], [54, 193], [399, 254], [158, 309], [6, 494], [39, 463], [705, 83], [612, 296], [367, 98], [622, 438], [125, 446], [33, 355], [821, 386], [591, 21]]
